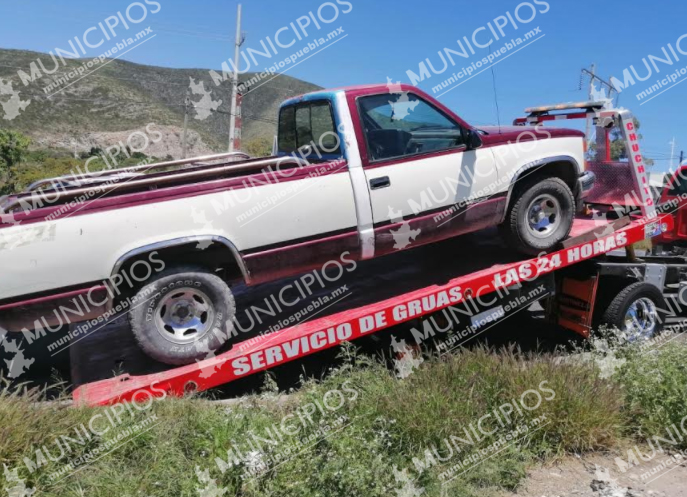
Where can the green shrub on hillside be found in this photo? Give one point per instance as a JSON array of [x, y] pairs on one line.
[[258, 147], [50, 163], [13, 149]]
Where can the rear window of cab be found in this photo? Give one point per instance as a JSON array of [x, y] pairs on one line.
[[308, 124]]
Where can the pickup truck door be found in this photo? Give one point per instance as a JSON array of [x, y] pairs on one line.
[[421, 176]]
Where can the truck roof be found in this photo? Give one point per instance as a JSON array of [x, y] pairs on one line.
[[328, 92]]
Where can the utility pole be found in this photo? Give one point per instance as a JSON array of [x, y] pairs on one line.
[[240, 38], [672, 151], [588, 129], [609, 86], [187, 101], [682, 157]]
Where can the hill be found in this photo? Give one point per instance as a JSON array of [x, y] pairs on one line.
[[121, 97]]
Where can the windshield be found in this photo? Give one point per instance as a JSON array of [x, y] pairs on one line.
[[405, 111], [403, 124]]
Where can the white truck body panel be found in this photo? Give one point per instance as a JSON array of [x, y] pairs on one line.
[[84, 248]]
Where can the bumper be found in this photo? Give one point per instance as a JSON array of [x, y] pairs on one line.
[[585, 183]]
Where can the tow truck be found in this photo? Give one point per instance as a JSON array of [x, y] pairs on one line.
[[595, 277]]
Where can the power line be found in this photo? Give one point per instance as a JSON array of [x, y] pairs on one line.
[[100, 76], [171, 28]]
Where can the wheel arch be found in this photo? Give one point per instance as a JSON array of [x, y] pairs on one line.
[[610, 285], [564, 167], [213, 252]]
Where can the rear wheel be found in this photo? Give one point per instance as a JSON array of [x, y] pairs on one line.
[[540, 215], [634, 311], [182, 315]]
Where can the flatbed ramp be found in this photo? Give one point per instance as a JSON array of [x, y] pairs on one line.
[[381, 293]]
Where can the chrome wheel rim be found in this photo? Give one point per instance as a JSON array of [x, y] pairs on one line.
[[640, 319], [543, 215], [184, 315]]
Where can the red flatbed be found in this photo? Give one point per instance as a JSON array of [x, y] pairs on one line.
[[391, 291]]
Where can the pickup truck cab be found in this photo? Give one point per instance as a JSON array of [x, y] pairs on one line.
[[357, 173]]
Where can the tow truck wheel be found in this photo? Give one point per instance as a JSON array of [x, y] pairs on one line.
[[635, 311], [182, 315], [540, 216]]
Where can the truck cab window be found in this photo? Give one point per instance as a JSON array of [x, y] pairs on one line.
[[402, 124], [308, 123]]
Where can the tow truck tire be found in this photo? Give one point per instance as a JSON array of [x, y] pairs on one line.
[[637, 306], [182, 315], [540, 216]]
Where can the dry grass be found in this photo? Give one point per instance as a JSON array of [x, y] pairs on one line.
[[385, 424]]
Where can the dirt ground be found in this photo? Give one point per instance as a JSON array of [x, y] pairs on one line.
[[599, 476]]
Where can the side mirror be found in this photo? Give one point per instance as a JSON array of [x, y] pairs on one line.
[[474, 139]]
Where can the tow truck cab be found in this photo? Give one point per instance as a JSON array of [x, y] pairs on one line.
[[674, 199]]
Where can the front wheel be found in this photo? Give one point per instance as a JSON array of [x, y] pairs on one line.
[[182, 316], [540, 216]]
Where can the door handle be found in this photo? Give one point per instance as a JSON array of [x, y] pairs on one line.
[[377, 183]]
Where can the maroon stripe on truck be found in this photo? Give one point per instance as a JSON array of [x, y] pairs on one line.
[[439, 224], [87, 303], [299, 256], [44, 297], [329, 235]]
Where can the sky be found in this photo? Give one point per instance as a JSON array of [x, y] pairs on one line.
[[385, 39]]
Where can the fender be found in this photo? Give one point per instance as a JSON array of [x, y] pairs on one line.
[[535, 165], [184, 241]]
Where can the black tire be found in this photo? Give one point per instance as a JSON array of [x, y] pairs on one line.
[[516, 228], [617, 310], [178, 296]]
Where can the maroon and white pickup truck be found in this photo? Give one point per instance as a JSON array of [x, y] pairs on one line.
[[362, 171]]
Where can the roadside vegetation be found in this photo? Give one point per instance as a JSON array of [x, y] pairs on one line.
[[375, 435], [258, 147], [22, 163], [655, 390]]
